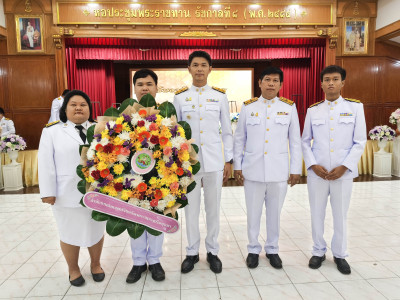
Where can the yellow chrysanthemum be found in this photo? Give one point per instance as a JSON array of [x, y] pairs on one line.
[[174, 167], [157, 154], [101, 166], [183, 155], [165, 192], [158, 120], [171, 203], [125, 195], [118, 169], [118, 141], [104, 134], [90, 179], [119, 179], [126, 127], [181, 131], [119, 120], [153, 181]]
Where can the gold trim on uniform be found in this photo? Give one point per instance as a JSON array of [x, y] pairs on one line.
[[250, 101], [7, 119], [181, 90], [52, 123], [317, 103], [352, 100], [223, 91], [287, 101]]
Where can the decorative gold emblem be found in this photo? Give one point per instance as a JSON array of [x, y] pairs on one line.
[[28, 6], [198, 34]]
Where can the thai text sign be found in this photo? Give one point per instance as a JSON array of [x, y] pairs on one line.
[[193, 13], [123, 210]]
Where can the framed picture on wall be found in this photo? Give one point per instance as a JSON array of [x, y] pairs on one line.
[[355, 36], [29, 33]]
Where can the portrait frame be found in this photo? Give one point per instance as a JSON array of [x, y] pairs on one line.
[[29, 31], [355, 36]]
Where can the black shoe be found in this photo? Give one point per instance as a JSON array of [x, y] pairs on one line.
[[342, 265], [316, 261], [188, 263], [99, 277], [252, 260], [135, 274], [275, 261], [78, 281], [215, 263], [157, 272]]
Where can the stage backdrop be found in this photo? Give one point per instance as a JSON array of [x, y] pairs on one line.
[[238, 82]]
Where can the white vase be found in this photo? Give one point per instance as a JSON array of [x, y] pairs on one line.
[[13, 156], [382, 145]]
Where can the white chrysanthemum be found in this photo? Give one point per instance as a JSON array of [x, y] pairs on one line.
[[169, 197], [166, 122], [111, 124], [166, 158], [104, 141], [137, 179], [135, 118], [147, 125], [134, 201], [145, 205], [177, 142], [90, 154], [122, 158], [161, 205], [185, 181], [185, 165], [124, 135]]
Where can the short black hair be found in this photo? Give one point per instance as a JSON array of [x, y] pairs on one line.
[[1, 111], [272, 70], [143, 73], [200, 53], [333, 69], [68, 96], [65, 92]]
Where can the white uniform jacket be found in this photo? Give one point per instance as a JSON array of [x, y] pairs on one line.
[[204, 109], [55, 109], [261, 140], [7, 126], [58, 158], [338, 132]]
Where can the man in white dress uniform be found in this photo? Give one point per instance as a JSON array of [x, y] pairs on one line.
[[204, 108], [266, 125], [147, 248], [6, 125], [55, 107], [337, 127]]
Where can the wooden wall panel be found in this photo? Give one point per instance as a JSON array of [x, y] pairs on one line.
[[389, 87], [3, 82], [32, 82]]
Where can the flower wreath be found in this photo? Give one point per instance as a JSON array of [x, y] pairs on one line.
[[163, 157]]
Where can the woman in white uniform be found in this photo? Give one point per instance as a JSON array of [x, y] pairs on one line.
[[58, 159]]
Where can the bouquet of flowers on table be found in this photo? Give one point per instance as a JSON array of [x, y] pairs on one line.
[[12, 142], [382, 133], [234, 117], [395, 117], [141, 155]]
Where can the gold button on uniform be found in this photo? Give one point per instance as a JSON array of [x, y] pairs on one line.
[[332, 129], [273, 101], [331, 150], [331, 118], [268, 118], [269, 105], [201, 119], [201, 131], [331, 140], [197, 90], [265, 101], [202, 144], [335, 102], [265, 153], [267, 129], [331, 108], [200, 105], [266, 141]]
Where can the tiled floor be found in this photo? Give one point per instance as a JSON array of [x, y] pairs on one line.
[[32, 265]]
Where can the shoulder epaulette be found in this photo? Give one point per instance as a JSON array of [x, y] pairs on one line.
[[52, 123], [352, 100], [181, 90], [317, 103], [250, 101], [7, 119], [59, 98], [223, 91], [287, 101]]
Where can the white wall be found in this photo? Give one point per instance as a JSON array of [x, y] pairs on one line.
[[2, 17], [388, 12]]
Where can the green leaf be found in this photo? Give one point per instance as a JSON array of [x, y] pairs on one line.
[[111, 112], [191, 187], [170, 215], [81, 202], [115, 226], [196, 168], [79, 171], [98, 216], [148, 101], [82, 186], [186, 128], [152, 231], [183, 203], [90, 134], [135, 230], [196, 148], [167, 109], [125, 104]]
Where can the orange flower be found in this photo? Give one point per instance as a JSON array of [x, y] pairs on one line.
[[174, 186], [142, 187], [104, 173], [163, 141], [142, 113], [143, 135], [179, 171], [158, 194], [118, 128], [117, 149], [99, 147]]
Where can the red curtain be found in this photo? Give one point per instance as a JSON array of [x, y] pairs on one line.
[[96, 79]]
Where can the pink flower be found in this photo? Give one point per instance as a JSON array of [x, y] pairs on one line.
[[125, 151], [174, 186], [153, 127], [110, 177], [184, 146], [167, 151]]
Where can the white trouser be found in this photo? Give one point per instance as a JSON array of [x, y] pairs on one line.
[[273, 194], [148, 248], [340, 194], [212, 186]]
